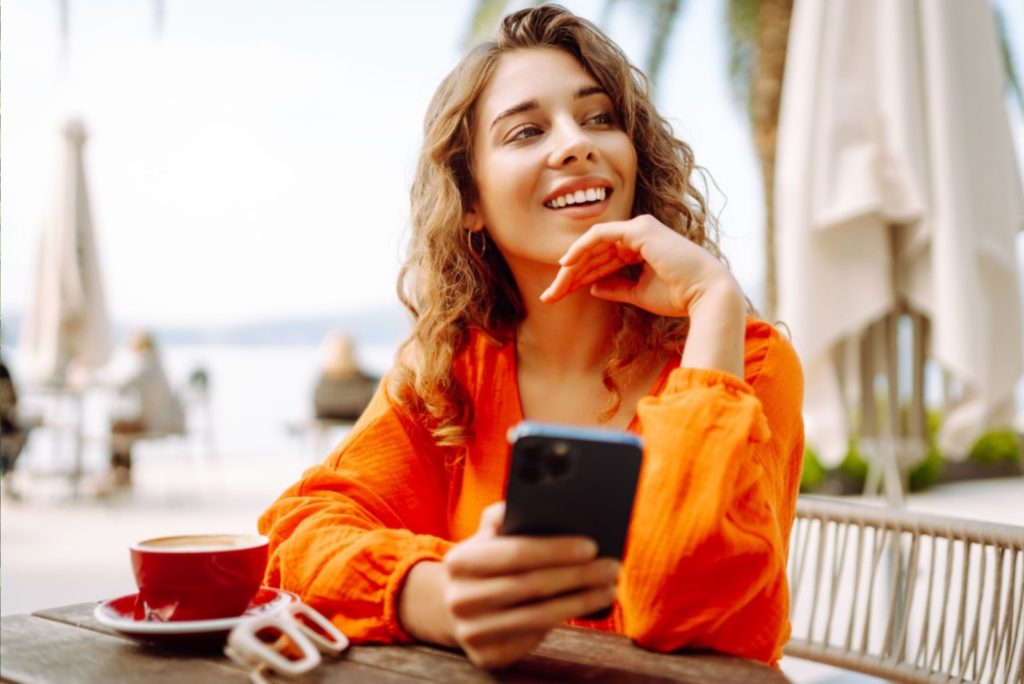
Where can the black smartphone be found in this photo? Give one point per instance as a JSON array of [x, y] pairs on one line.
[[572, 481]]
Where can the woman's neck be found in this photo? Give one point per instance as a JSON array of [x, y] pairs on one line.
[[570, 337]]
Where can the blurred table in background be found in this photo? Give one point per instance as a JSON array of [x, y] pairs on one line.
[[57, 412], [70, 430]]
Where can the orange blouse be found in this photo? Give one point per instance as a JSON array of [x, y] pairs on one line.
[[705, 563]]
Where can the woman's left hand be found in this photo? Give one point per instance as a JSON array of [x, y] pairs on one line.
[[676, 272]]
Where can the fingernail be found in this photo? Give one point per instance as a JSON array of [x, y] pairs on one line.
[[585, 549]]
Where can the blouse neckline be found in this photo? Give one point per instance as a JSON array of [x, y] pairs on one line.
[[634, 423]]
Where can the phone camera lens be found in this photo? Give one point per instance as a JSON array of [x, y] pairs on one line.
[[530, 473], [532, 454], [556, 464]]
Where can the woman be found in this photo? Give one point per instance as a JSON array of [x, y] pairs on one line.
[[562, 269]]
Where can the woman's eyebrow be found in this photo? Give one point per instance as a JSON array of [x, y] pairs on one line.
[[528, 105], [586, 91], [516, 109]]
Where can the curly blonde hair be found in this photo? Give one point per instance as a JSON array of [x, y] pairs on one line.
[[454, 280]]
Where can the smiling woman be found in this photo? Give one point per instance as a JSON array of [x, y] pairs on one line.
[[562, 269]]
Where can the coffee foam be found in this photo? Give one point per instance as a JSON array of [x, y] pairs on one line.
[[202, 542]]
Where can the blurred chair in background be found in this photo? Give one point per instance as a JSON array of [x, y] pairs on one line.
[[342, 392], [158, 457], [198, 413]]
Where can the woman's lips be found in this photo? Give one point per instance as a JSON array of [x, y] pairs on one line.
[[584, 211]]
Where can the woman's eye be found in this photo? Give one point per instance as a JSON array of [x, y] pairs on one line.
[[525, 132], [602, 119]]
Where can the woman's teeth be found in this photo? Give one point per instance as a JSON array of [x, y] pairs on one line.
[[578, 197]]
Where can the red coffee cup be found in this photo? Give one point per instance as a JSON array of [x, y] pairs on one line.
[[197, 576]]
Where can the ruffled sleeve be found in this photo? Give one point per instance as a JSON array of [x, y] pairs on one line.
[[346, 535], [705, 565]]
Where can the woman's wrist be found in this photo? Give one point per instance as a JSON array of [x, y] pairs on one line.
[[717, 328], [421, 609]]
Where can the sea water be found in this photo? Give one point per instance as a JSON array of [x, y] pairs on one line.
[[258, 396]]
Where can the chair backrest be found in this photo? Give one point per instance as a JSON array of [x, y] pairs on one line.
[[195, 400], [906, 596]]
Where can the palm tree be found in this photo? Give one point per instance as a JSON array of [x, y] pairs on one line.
[[758, 35]]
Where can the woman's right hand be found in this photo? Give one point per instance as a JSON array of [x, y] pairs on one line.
[[505, 593]]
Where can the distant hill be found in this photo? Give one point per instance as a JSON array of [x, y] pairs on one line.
[[384, 325], [374, 326]]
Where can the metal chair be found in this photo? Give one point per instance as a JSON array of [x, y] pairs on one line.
[[195, 439], [906, 596]]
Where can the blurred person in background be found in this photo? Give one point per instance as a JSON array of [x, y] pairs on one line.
[[13, 433], [343, 389], [147, 406]]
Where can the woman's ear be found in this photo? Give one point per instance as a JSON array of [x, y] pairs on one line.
[[473, 219]]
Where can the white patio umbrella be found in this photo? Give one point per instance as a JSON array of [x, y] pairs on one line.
[[897, 192], [67, 317]]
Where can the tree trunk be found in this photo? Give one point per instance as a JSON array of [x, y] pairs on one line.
[[766, 94]]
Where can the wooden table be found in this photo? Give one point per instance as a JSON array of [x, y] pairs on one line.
[[66, 645]]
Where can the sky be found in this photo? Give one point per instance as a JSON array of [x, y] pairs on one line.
[[252, 160]]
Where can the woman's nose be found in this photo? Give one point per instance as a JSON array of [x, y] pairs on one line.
[[572, 144]]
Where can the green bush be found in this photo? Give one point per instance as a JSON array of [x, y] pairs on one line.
[[927, 472], [854, 465], [934, 419], [813, 473], [992, 448], [995, 447]]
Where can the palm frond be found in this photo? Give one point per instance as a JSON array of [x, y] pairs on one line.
[[741, 21], [1013, 84], [485, 18], [159, 11], [661, 30], [606, 12]]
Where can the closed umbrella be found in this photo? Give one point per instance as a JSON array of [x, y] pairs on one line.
[[67, 317], [898, 195]]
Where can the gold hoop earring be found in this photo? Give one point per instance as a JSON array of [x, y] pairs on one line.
[[483, 243]]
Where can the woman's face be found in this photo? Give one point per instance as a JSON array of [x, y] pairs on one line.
[[549, 157]]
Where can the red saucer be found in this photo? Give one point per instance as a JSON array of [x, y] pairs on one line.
[[118, 615]]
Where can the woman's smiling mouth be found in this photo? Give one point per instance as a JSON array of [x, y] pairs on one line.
[[579, 197]]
